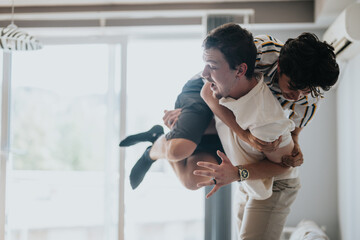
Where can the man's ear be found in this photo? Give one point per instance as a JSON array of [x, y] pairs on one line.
[[242, 69]]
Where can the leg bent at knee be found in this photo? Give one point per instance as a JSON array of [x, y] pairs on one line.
[[189, 181], [179, 149], [189, 165]]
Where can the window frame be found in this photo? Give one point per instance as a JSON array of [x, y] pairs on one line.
[[5, 136]]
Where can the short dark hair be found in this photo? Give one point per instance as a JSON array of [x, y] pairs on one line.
[[309, 63], [236, 43]]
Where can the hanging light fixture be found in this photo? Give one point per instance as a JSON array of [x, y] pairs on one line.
[[12, 38]]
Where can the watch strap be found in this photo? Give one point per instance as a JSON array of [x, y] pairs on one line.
[[243, 173]]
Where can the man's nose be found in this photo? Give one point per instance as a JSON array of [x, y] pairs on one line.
[[205, 73], [297, 95]]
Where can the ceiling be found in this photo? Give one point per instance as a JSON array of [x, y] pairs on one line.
[[106, 2], [127, 13]]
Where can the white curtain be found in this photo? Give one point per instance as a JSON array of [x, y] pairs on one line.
[[348, 107]]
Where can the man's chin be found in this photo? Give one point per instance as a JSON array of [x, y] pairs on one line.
[[287, 97], [217, 95], [290, 99]]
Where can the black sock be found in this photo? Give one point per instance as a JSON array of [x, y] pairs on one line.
[[150, 136], [140, 168]]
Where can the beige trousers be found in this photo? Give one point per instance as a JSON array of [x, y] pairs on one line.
[[265, 219]]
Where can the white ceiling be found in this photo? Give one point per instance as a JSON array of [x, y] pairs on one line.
[[52, 14], [102, 2], [267, 11], [327, 10], [324, 10]]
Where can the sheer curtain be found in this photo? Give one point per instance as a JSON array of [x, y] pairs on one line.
[[62, 174], [160, 208]]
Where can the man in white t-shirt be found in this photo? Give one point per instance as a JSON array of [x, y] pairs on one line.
[[304, 66], [264, 200]]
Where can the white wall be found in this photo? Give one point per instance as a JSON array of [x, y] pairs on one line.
[[317, 199], [349, 150]]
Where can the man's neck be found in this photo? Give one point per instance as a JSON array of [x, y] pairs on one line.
[[244, 86]]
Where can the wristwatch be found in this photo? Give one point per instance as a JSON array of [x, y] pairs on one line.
[[243, 173]]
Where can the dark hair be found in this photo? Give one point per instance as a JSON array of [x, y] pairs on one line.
[[236, 43], [309, 63]]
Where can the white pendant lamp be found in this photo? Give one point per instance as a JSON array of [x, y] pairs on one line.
[[13, 39]]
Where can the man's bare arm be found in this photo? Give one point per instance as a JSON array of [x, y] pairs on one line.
[[277, 155], [295, 135], [226, 172], [296, 158], [228, 118]]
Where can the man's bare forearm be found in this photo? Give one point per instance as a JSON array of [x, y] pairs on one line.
[[295, 135], [224, 114], [264, 169]]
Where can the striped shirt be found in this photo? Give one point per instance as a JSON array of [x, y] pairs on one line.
[[268, 51]]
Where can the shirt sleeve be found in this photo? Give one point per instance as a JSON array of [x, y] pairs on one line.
[[268, 51], [273, 131], [303, 111]]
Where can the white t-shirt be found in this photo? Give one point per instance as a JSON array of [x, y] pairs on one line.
[[262, 114]]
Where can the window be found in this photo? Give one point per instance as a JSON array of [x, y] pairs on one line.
[[4, 70], [63, 177], [160, 208]]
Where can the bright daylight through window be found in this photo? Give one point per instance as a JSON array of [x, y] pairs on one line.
[[61, 183], [63, 177], [160, 208]]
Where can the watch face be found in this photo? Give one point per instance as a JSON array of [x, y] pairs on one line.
[[244, 173]]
